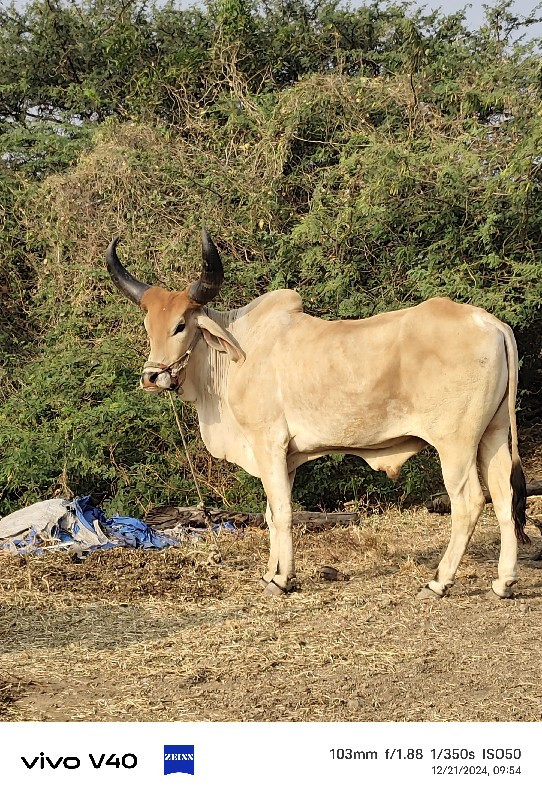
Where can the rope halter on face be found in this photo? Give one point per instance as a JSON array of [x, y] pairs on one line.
[[168, 376]]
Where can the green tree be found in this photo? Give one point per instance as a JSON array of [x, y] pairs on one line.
[[368, 157]]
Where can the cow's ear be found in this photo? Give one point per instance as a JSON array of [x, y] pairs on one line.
[[219, 339]]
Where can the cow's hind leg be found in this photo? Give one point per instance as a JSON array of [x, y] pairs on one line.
[[467, 501], [495, 466]]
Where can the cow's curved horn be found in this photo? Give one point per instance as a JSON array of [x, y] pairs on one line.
[[208, 284], [130, 286]]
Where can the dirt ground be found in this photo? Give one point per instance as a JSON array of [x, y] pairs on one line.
[[164, 635]]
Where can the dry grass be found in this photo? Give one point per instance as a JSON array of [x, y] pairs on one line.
[[141, 636]]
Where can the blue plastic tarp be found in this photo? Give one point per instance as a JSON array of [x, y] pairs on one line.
[[117, 531]]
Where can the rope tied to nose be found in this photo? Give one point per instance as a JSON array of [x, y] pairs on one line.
[[173, 370], [201, 504]]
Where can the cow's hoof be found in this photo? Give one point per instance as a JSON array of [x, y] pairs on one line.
[[493, 595], [272, 589], [428, 594], [503, 592]]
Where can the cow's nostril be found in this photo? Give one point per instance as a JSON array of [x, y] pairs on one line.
[[153, 377]]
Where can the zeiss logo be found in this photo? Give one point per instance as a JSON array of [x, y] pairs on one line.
[[178, 758]]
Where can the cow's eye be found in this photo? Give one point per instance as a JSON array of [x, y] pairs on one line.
[[180, 328]]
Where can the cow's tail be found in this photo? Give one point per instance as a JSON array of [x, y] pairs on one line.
[[517, 477]]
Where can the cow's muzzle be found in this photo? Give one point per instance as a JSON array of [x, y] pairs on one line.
[[157, 381], [157, 377]]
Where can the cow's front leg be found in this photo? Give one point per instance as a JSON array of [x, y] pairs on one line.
[[277, 483], [273, 563]]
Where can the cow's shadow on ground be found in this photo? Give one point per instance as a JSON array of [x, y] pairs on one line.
[[482, 558], [96, 626]]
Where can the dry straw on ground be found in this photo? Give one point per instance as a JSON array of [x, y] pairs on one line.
[[155, 636]]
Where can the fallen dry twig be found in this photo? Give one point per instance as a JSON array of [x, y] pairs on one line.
[[441, 504], [165, 517]]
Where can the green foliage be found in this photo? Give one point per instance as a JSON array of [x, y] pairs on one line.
[[36, 149], [368, 157]]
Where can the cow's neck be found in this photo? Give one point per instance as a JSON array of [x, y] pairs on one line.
[[206, 380], [207, 386]]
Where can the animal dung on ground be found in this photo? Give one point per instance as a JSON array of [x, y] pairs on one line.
[[332, 574]]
